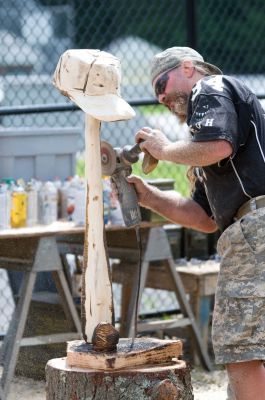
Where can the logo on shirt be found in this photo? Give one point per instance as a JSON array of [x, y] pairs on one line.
[[209, 122], [196, 90], [216, 82]]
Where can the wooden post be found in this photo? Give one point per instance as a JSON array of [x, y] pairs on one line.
[[91, 78], [97, 299]]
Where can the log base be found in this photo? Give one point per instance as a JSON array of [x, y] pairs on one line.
[[165, 382]]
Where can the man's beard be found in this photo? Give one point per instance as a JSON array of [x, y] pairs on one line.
[[180, 105]]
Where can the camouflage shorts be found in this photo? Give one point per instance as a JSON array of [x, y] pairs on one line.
[[239, 315]]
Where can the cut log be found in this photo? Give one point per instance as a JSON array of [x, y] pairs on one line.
[[145, 351], [97, 300], [164, 382]]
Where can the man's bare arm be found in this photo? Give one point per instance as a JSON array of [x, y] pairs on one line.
[[183, 152], [197, 153], [173, 206]]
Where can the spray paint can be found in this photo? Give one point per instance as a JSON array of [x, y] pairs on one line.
[[63, 196], [106, 199], [5, 206], [115, 214], [58, 184], [32, 203], [79, 214], [18, 207], [70, 207], [74, 185], [48, 203]]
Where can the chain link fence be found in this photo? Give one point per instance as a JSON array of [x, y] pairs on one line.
[[34, 33]]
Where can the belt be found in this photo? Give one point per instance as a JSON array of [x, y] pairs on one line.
[[250, 205]]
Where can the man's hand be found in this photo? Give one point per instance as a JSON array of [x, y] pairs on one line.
[[183, 151], [173, 206], [153, 141], [143, 190]]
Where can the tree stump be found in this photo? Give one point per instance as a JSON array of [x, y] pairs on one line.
[[165, 382]]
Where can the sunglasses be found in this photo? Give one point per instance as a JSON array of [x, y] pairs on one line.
[[161, 84]]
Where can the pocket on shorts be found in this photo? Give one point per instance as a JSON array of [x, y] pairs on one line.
[[238, 313], [242, 270], [245, 321], [250, 236], [253, 231]]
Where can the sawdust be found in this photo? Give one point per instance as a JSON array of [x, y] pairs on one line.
[[209, 385], [206, 386], [26, 389]]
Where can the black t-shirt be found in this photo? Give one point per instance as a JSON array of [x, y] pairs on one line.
[[222, 107]]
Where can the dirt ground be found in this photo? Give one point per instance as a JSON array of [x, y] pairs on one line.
[[206, 386]]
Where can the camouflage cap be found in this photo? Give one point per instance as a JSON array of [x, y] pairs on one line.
[[172, 58]]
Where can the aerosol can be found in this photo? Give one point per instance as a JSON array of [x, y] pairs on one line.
[[18, 207], [79, 214], [63, 199], [48, 202], [5, 206], [32, 203]]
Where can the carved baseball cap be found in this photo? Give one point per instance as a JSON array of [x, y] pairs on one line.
[[172, 58], [91, 79]]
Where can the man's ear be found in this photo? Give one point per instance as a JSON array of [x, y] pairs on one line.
[[188, 68]]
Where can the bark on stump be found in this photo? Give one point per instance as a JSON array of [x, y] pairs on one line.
[[167, 382]]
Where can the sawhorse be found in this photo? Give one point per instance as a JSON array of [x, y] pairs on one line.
[[158, 249], [40, 255]]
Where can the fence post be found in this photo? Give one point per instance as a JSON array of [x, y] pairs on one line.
[[191, 23]]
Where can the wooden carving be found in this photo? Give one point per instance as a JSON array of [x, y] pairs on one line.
[[91, 78]]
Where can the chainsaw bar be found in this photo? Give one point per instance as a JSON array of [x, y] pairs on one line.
[[108, 158]]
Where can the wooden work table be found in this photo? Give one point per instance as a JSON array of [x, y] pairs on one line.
[[34, 250], [43, 248]]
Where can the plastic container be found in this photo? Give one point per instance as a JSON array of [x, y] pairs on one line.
[[48, 203], [63, 197], [74, 182], [32, 203], [79, 214], [106, 199], [42, 153], [115, 213], [5, 206], [18, 207]]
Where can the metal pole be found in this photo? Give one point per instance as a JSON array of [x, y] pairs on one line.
[[191, 23], [60, 107]]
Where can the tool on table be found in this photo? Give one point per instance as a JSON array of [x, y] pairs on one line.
[[116, 163]]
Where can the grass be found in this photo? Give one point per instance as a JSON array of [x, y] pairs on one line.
[[164, 170], [152, 109], [80, 167]]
